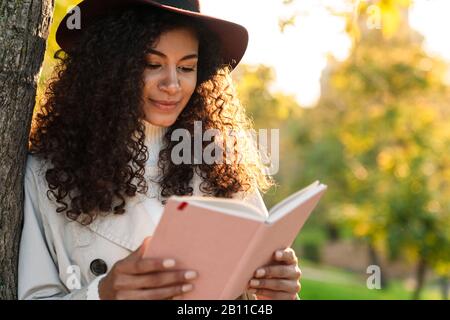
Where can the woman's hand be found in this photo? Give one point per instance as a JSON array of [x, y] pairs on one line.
[[279, 280], [140, 278]]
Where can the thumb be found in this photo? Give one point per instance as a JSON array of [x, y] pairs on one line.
[[142, 248]]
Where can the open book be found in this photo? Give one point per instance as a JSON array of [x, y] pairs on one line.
[[226, 240]]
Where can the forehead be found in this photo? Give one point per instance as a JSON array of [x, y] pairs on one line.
[[177, 41]]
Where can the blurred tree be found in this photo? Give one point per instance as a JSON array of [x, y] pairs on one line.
[[274, 110], [24, 26], [271, 111], [379, 137], [385, 15]]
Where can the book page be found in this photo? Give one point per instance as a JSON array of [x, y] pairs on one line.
[[232, 207], [291, 197], [294, 201]]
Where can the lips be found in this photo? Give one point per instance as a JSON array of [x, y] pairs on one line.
[[164, 105]]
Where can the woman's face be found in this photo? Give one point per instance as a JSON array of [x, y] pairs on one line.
[[170, 77]]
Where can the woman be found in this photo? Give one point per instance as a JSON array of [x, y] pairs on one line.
[[101, 167]]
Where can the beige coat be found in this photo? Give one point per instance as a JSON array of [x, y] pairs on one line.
[[56, 253]]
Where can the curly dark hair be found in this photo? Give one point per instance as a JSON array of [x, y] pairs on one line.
[[89, 124]]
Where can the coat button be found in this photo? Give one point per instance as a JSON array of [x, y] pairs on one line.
[[98, 267]]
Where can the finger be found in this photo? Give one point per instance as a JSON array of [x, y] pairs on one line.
[[144, 245], [279, 271], [287, 255], [139, 252], [144, 265], [153, 280], [155, 294], [290, 286], [271, 294]]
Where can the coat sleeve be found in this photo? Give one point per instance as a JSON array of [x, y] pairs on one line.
[[38, 275]]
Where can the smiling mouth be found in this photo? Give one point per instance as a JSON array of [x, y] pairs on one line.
[[165, 106]]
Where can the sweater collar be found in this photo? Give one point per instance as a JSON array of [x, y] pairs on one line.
[[153, 134]]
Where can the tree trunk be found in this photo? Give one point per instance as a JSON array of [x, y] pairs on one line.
[[420, 278], [444, 287], [24, 29], [375, 260]]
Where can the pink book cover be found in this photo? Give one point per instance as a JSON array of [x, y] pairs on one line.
[[224, 249]]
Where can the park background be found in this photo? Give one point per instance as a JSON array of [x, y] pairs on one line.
[[360, 91]]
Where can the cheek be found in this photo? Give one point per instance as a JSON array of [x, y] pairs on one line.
[[149, 82], [190, 86]]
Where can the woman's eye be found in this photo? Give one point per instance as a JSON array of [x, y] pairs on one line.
[[187, 69], [157, 66], [152, 66]]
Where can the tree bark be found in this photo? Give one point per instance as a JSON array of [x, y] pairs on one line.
[[374, 259], [420, 278], [443, 281], [24, 29]]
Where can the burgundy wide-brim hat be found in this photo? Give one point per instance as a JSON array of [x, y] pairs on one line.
[[233, 37]]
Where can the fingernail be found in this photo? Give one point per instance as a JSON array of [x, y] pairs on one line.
[[167, 263], [260, 272], [279, 254], [186, 287], [252, 290], [190, 275], [254, 283]]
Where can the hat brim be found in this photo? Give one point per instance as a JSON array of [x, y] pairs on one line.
[[232, 36]]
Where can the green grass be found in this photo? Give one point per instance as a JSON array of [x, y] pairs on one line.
[[317, 290], [327, 283]]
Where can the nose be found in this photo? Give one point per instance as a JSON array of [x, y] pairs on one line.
[[170, 82]]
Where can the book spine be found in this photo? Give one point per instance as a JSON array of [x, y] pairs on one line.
[[242, 266]]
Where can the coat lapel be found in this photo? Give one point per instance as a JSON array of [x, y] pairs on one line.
[[128, 230], [139, 221]]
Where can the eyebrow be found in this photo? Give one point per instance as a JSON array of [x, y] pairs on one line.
[[189, 56]]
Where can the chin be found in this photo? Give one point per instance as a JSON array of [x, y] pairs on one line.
[[161, 121]]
